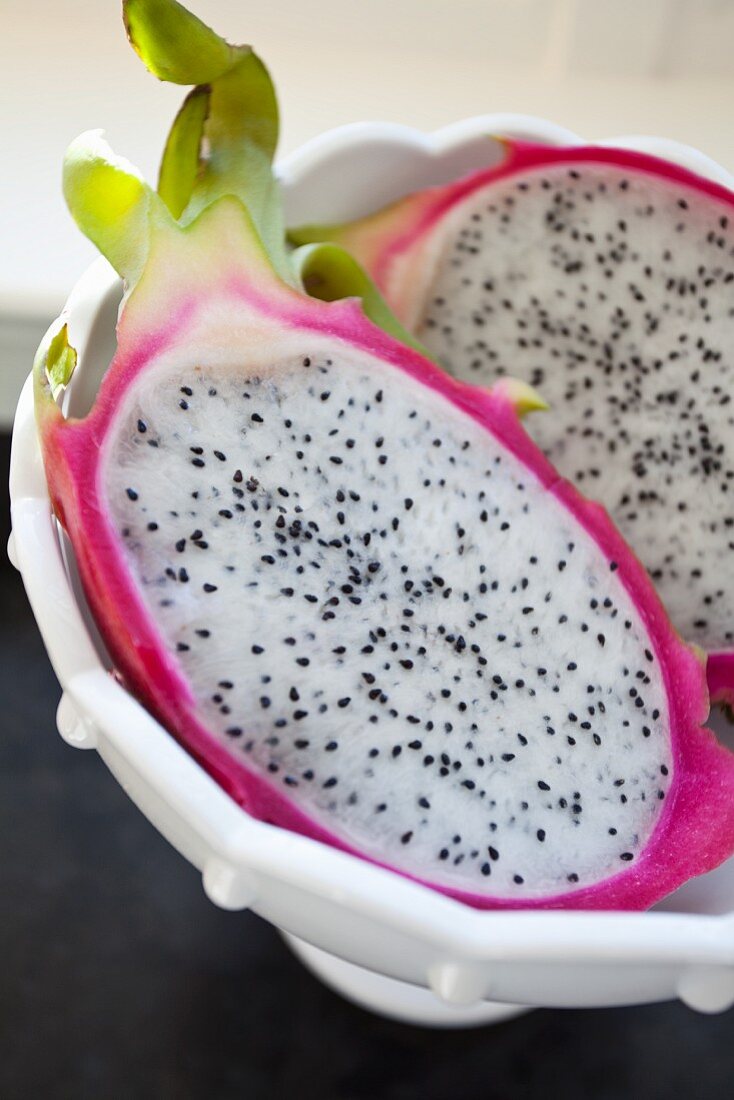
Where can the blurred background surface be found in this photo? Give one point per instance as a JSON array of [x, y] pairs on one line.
[[600, 67]]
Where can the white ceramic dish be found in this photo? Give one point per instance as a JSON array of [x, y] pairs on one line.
[[382, 940]]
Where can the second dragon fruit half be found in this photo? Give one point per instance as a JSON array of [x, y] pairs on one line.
[[604, 277], [349, 584]]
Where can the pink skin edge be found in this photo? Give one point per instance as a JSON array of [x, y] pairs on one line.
[[695, 831], [424, 210], [720, 675]]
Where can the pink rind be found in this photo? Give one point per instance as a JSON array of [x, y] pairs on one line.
[[720, 671], [696, 829]]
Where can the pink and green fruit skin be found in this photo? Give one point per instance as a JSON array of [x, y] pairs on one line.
[[642, 272]]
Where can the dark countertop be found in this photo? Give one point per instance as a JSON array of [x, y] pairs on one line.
[[120, 980]]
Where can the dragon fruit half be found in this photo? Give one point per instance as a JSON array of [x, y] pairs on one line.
[[350, 585], [606, 278]]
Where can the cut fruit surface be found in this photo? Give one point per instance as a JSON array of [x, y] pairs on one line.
[[606, 279]]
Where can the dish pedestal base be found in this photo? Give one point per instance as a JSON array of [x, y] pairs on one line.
[[410, 1004]]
